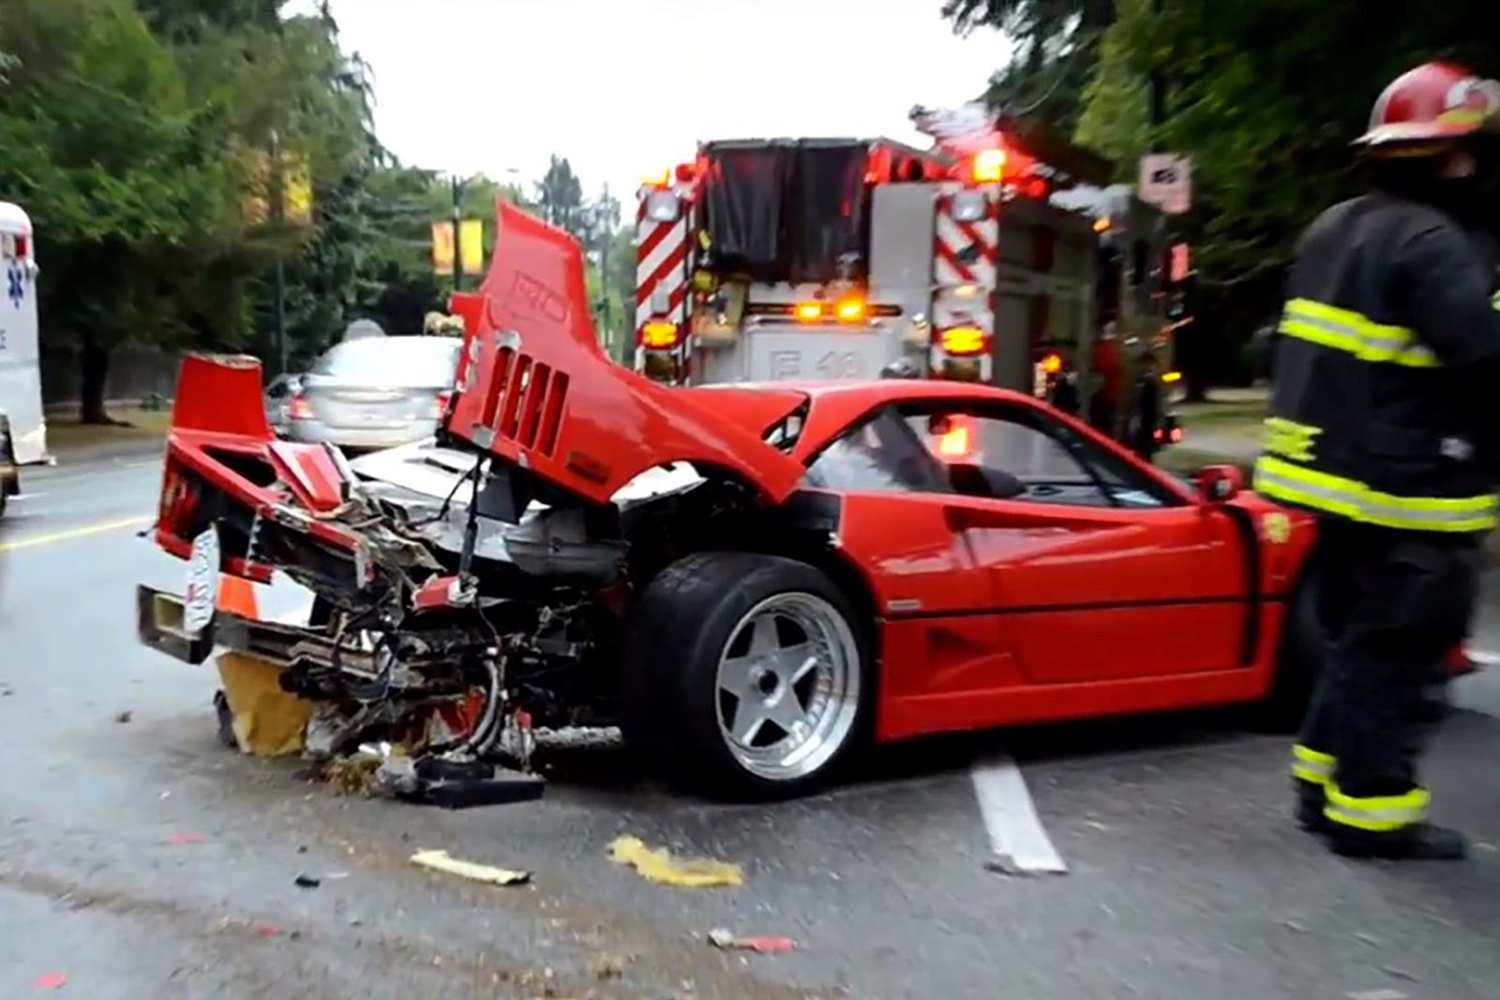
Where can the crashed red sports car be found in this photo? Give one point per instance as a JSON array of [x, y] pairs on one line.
[[750, 581]]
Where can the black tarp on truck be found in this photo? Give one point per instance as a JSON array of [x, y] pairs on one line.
[[786, 211]]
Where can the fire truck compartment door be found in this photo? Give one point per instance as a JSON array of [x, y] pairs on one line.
[[775, 355]]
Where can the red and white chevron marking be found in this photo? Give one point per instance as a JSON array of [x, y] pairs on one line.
[[661, 264], [955, 266]]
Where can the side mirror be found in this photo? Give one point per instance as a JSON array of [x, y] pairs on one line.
[[1220, 483]]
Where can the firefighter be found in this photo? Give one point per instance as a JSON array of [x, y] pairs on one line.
[[1380, 411]]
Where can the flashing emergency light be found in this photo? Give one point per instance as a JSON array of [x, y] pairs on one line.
[[963, 340], [851, 310], [954, 442], [657, 178], [810, 312], [1102, 225], [1052, 363], [1170, 377], [988, 166], [658, 335]]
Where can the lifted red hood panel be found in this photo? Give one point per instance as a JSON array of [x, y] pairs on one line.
[[538, 391]]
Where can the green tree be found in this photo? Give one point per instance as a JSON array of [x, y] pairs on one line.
[[1057, 44], [559, 197], [1267, 115], [100, 138]]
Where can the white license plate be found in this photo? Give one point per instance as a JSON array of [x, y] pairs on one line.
[[202, 591]]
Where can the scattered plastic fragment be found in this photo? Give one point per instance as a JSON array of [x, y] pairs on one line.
[[183, 837], [304, 881], [51, 981], [762, 944], [124, 717], [439, 861], [267, 931], [658, 865], [266, 721]]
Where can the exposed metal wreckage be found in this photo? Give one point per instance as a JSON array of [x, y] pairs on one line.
[[441, 637], [484, 587]]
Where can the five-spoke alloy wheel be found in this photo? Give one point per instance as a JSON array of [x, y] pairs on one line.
[[745, 675]]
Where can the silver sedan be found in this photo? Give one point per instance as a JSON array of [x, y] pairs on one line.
[[375, 393]]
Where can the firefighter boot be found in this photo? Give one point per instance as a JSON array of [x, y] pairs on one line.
[[1310, 805], [1419, 842]]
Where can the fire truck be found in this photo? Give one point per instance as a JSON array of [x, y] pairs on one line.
[[766, 260]]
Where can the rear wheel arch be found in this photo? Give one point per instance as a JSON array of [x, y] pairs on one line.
[[684, 622]]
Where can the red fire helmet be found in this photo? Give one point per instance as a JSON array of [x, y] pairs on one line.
[[1437, 101]]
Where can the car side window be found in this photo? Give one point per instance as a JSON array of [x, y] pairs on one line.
[[880, 454], [1015, 453]]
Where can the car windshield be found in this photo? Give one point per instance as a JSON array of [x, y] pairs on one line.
[[408, 360]]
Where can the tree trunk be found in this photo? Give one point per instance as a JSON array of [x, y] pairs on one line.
[[93, 370]]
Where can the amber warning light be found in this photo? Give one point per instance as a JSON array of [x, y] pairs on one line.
[[963, 340], [989, 166], [659, 335], [1052, 364]]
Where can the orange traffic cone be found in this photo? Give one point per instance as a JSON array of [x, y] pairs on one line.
[[237, 596]]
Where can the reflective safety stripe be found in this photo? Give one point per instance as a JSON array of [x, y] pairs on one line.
[[1353, 500], [1311, 766], [1495, 301], [1352, 333], [1381, 814]]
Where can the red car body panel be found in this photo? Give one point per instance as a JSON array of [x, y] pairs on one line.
[[538, 391], [988, 612]]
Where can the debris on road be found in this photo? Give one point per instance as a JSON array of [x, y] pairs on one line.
[[304, 881], [266, 721], [658, 865], [183, 837], [51, 981], [440, 861], [762, 944], [124, 717]]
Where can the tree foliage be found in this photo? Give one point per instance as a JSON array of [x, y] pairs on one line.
[[1057, 44], [1265, 98], [163, 148]]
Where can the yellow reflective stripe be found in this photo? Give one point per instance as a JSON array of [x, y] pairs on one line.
[[1347, 331], [1311, 765], [1380, 814], [1495, 301], [1353, 500]]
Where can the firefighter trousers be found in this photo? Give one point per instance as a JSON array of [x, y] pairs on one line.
[[1391, 605]]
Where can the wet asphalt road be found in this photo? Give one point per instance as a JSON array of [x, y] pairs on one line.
[[1186, 879]]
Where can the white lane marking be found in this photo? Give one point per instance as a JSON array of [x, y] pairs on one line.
[[1483, 657], [27, 496], [1019, 844]]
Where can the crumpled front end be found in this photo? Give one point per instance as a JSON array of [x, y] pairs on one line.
[[433, 629]]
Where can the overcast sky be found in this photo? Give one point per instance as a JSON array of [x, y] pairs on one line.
[[622, 87]]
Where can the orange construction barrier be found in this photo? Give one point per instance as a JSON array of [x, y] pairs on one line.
[[237, 596]]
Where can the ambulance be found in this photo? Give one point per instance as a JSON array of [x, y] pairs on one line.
[[23, 430]]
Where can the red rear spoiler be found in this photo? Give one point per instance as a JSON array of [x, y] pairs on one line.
[[537, 390]]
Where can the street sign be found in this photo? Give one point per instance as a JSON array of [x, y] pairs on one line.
[[1166, 181]]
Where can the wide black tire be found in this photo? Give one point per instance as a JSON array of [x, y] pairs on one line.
[[679, 629], [1299, 664]]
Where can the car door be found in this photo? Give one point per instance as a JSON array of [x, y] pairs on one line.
[[940, 637], [1099, 573]]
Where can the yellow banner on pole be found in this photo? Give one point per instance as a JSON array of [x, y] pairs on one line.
[[471, 243], [296, 189], [442, 247]]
